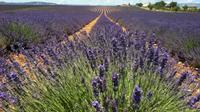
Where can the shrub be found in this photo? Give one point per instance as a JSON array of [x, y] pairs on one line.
[[160, 5], [139, 4], [150, 6], [185, 7], [173, 4]]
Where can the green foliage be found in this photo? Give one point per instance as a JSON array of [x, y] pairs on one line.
[[150, 6], [139, 4], [173, 4], [160, 5], [68, 93], [185, 7]]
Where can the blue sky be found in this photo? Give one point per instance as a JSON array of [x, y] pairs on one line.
[[102, 2]]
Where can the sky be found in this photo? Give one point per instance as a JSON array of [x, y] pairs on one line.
[[102, 2]]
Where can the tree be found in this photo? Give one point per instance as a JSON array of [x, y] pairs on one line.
[[150, 6], [185, 7], [160, 5], [173, 4], [139, 4]]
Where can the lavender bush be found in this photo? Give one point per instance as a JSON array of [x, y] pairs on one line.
[[179, 32]]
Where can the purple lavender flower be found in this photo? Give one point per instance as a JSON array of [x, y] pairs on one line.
[[115, 80], [2, 70], [114, 106], [194, 100], [106, 61], [13, 76], [152, 40], [141, 62], [156, 56], [150, 55], [96, 105], [66, 37], [137, 94], [95, 87], [137, 44], [102, 70], [182, 78], [4, 95], [101, 84], [115, 46], [91, 57], [135, 65], [164, 60]]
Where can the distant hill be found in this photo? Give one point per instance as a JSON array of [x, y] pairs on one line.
[[190, 4], [27, 3]]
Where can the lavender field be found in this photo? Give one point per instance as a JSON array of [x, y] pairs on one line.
[[179, 32], [98, 59]]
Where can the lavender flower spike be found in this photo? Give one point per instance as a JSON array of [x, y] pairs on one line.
[[102, 70], [137, 94], [115, 80], [96, 105]]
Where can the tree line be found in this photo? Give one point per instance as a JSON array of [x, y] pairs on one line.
[[172, 6]]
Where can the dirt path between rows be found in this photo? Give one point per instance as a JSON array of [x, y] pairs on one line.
[[111, 20]]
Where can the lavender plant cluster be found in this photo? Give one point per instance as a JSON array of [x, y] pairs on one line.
[[106, 45], [139, 51], [175, 30], [43, 59]]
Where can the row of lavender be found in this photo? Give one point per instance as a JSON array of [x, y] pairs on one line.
[[179, 32], [43, 23]]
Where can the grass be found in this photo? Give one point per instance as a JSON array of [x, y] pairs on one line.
[[68, 93]]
